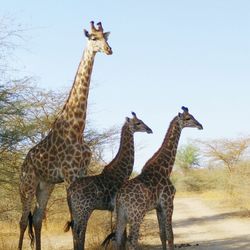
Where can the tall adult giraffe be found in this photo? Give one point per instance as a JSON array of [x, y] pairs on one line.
[[152, 189], [62, 155], [98, 192]]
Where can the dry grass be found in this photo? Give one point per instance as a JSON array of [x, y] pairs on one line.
[[8, 236], [231, 189], [98, 228], [211, 184], [53, 236]]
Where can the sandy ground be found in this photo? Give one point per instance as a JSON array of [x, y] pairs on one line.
[[195, 222], [202, 223]]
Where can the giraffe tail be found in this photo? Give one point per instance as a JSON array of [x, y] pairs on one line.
[[110, 237], [68, 225], [30, 230]]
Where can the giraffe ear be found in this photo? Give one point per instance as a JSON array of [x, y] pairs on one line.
[[179, 114], [106, 35], [86, 33], [127, 119]]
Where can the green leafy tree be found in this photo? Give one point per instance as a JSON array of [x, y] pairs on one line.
[[187, 157]]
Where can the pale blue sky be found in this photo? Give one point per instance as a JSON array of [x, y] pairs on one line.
[[166, 54]]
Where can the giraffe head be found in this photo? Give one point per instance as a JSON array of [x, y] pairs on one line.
[[187, 120], [97, 39], [137, 125]]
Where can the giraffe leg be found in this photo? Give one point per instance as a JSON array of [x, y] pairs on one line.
[[79, 231], [26, 202], [169, 208], [169, 227], [81, 207], [43, 193], [133, 236], [162, 226], [164, 216], [27, 190], [120, 234]]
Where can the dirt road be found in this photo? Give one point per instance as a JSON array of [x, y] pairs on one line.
[[202, 223], [194, 222]]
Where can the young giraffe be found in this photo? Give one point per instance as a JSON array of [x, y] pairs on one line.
[[152, 189], [98, 192], [62, 155]]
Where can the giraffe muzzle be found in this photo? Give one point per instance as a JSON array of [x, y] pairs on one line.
[[149, 131], [109, 51], [199, 126]]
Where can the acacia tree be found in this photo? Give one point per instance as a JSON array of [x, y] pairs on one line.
[[228, 152], [24, 119]]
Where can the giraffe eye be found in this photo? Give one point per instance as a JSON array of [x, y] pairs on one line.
[[138, 123], [93, 38]]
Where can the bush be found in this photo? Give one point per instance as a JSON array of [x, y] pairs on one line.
[[234, 186]]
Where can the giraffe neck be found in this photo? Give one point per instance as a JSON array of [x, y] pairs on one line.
[[122, 165], [72, 118], [163, 159]]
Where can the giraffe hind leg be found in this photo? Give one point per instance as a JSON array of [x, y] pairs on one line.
[[164, 216], [79, 231], [26, 219], [27, 190], [162, 226], [134, 235], [43, 193]]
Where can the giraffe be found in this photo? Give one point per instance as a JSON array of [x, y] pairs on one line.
[[98, 192], [152, 189], [62, 156]]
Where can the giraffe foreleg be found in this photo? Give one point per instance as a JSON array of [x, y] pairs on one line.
[[169, 208], [43, 193], [120, 234], [169, 227]]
